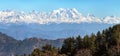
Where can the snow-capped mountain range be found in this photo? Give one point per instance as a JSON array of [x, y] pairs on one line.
[[59, 23], [60, 15]]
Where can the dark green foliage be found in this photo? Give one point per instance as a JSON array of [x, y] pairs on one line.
[[36, 52], [104, 43], [47, 50], [79, 42], [87, 42], [48, 47], [68, 46]]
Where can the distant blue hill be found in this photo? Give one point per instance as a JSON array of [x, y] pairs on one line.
[[51, 30]]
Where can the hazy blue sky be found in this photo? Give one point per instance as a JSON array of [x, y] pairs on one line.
[[99, 8]]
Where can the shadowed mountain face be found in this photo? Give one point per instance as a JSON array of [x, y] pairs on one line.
[[10, 46], [7, 44]]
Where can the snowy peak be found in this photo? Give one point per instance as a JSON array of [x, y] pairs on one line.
[[66, 13], [60, 15], [111, 19]]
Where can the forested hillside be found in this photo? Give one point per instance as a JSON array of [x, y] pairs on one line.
[[10, 46], [104, 43]]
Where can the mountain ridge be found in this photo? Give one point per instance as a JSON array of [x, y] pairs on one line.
[[10, 46], [61, 15], [51, 31]]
